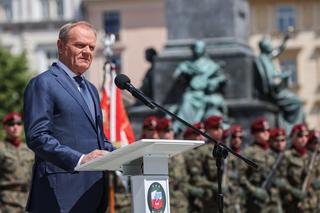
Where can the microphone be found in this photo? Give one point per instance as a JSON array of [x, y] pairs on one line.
[[123, 82]]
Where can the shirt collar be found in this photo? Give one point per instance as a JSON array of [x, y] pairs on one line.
[[66, 69]]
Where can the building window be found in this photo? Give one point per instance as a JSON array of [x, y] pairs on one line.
[[7, 7], [60, 9], [111, 23], [291, 66], [45, 9], [286, 17]]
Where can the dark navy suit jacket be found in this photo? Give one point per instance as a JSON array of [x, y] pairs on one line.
[[60, 129]]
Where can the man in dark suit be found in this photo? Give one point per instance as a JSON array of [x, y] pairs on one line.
[[63, 125]]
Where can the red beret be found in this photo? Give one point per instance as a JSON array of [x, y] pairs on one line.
[[299, 129], [164, 124], [236, 130], [259, 125], [190, 131], [12, 116], [150, 122], [277, 133], [213, 122]]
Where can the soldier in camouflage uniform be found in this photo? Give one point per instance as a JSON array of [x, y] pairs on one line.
[[193, 166], [15, 166], [178, 178], [296, 171], [214, 127], [311, 203], [278, 144], [234, 198], [252, 179]]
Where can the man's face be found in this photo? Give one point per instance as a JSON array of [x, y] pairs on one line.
[[13, 129], [279, 144], [236, 141], [169, 135], [150, 133], [77, 52], [300, 141], [262, 136], [215, 133]]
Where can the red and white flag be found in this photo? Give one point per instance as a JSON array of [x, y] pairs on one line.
[[116, 125]]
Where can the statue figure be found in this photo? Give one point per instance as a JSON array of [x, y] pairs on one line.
[[274, 84], [203, 94], [147, 84]]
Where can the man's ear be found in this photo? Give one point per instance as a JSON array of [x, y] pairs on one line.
[[60, 44]]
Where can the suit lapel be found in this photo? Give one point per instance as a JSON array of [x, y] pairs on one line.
[[69, 86]]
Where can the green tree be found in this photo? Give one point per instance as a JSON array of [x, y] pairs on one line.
[[14, 76]]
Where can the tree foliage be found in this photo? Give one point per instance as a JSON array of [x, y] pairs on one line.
[[14, 76]]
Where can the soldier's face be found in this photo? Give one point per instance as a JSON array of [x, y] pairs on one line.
[[236, 141], [300, 141], [77, 52], [13, 129], [152, 134], [169, 135], [279, 145], [215, 133], [262, 137]]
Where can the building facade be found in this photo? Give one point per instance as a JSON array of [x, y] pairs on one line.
[[32, 27], [138, 25], [301, 57]]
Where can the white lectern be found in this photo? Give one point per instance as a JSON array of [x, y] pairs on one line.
[[147, 162]]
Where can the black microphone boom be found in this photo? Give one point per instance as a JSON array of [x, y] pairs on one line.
[[123, 82]]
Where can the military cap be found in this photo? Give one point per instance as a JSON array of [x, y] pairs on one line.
[[150, 123], [236, 130], [164, 124], [190, 131], [213, 121], [12, 117], [259, 125], [277, 134], [299, 130]]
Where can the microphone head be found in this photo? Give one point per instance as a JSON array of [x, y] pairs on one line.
[[121, 81]]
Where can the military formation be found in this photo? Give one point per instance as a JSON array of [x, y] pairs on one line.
[[287, 179]]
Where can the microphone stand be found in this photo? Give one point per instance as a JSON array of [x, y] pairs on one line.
[[220, 151]]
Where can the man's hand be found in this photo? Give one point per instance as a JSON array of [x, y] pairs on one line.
[[92, 155]]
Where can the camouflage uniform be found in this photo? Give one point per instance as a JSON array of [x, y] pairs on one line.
[[297, 164], [296, 173], [202, 185], [252, 179], [15, 175], [234, 199], [178, 184]]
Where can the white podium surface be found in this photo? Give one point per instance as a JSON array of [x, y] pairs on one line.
[[142, 148], [146, 161]]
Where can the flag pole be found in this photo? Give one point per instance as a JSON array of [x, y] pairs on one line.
[[107, 68]]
